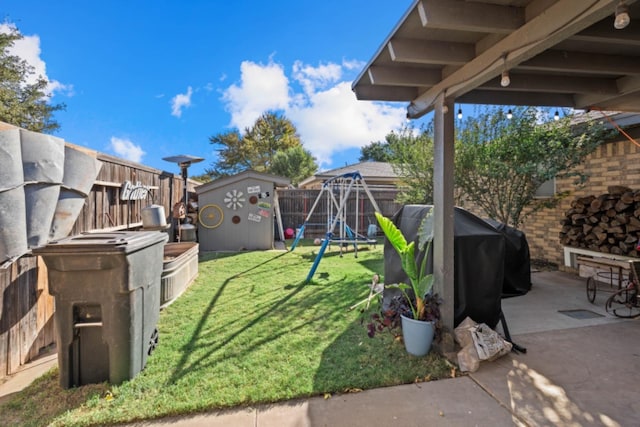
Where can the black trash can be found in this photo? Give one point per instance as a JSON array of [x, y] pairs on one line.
[[107, 295]]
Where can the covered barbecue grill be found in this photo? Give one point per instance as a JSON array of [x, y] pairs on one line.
[[488, 264]]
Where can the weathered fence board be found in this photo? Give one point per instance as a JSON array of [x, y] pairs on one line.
[[25, 316]]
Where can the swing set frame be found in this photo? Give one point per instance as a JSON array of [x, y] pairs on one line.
[[343, 185]]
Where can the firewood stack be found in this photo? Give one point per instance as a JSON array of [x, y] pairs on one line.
[[609, 223]]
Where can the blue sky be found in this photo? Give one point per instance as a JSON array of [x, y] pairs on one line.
[[146, 80]]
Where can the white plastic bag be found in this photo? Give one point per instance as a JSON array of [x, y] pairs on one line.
[[468, 360], [488, 343], [479, 342]]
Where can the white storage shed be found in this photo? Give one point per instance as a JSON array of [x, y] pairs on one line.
[[238, 212]]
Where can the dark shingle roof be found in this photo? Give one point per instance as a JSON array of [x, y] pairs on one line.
[[374, 171]]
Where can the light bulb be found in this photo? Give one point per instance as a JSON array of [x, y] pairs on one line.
[[505, 80], [556, 116], [509, 114], [622, 16], [459, 113]]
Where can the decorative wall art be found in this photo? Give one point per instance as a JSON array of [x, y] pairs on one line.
[[210, 216], [234, 199]]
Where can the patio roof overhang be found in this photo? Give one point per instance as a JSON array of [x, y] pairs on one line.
[[558, 53], [562, 53]]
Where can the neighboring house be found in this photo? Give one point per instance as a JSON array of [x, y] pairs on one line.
[[376, 174]]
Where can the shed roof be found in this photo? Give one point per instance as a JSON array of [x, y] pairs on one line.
[[278, 181]]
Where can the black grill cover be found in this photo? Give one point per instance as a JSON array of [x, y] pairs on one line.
[[479, 261], [517, 265]]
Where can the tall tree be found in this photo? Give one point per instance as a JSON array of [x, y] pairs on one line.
[[377, 151], [203, 178], [411, 155], [272, 134], [22, 103], [295, 163], [233, 157], [501, 162]]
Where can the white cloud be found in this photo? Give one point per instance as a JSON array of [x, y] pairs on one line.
[[353, 64], [127, 149], [262, 88], [28, 48], [180, 102], [334, 120], [318, 101], [314, 78]]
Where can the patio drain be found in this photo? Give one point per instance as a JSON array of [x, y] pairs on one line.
[[580, 314]]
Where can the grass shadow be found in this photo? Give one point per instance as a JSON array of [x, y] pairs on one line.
[[182, 365]]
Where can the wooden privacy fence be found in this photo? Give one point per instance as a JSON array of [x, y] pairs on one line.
[[104, 208], [295, 205], [26, 307]]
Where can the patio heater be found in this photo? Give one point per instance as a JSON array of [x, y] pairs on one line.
[[184, 161]]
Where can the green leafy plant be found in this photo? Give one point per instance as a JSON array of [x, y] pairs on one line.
[[422, 302]]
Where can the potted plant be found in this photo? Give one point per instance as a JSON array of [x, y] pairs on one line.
[[420, 321]]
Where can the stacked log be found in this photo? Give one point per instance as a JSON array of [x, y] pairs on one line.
[[609, 223]]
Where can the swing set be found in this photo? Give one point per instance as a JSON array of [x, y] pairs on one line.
[[337, 191]]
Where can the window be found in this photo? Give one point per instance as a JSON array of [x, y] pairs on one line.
[[547, 189]]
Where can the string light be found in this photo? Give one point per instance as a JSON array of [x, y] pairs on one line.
[[509, 114], [505, 80], [622, 16], [460, 113]]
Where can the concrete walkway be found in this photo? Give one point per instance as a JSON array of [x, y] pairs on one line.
[[581, 368]]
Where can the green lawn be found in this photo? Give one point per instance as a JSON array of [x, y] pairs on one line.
[[249, 330]]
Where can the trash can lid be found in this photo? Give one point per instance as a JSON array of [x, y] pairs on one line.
[[115, 241]]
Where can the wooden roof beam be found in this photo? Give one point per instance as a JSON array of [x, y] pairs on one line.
[[385, 93], [403, 76], [556, 84], [601, 32], [587, 63], [430, 52], [467, 16], [480, 96], [626, 86]]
